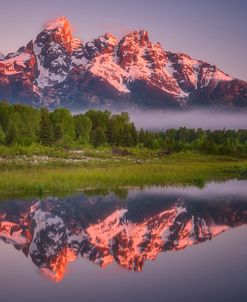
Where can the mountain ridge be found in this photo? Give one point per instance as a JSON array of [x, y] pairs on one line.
[[57, 69], [105, 229]]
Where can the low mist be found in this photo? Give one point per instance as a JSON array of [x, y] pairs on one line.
[[161, 120]]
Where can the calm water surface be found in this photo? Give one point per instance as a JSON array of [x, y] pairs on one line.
[[155, 244]]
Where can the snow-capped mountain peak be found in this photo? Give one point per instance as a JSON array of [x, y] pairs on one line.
[[104, 44], [53, 48], [57, 24], [107, 72]]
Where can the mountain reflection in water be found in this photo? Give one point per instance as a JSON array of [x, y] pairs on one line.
[[123, 227]]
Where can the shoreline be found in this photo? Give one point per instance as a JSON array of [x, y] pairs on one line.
[[19, 177]]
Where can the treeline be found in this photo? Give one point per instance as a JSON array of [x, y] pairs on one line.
[[25, 125]]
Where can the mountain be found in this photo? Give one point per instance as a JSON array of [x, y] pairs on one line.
[[57, 69], [106, 229]]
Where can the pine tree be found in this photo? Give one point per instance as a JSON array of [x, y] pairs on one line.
[[45, 130], [98, 137], [83, 126], [57, 131], [141, 137], [11, 134], [133, 134], [2, 136]]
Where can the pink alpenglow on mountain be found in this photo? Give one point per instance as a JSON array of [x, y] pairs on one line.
[[57, 69], [53, 233]]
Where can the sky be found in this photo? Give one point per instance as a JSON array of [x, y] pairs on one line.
[[212, 30]]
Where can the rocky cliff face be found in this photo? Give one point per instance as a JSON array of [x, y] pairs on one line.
[[59, 70], [103, 230]]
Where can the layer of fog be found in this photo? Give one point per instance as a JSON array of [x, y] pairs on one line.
[[161, 120]]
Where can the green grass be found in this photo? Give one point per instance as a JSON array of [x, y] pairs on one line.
[[34, 149], [39, 170], [175, 170]]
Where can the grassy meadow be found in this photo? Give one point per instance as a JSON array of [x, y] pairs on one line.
[[49, 152], [42, 170]]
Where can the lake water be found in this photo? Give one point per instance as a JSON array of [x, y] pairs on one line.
[[154, 244]]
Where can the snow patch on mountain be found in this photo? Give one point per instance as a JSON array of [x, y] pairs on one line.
[[105, 67], [213, 74], [140, 68], [10, 66], [46, 78], [108, 40], [169, 69]]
